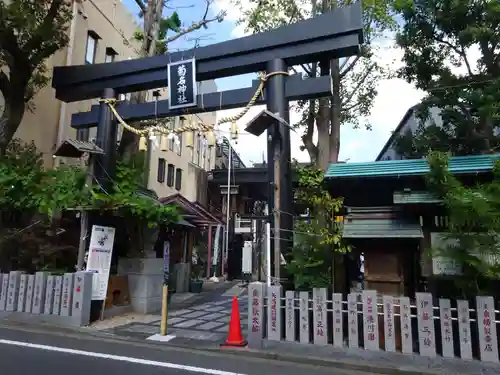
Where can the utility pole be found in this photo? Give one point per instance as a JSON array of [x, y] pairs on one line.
[[228, 203]]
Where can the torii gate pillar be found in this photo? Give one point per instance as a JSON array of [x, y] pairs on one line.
[[280, 200]]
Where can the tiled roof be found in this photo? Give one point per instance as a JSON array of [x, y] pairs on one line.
[[410, 167]]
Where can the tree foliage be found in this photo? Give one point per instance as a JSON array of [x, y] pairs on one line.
[[30, 32], [452, 51], [318, 237], [28, 188], [354, 79], [472, 236]]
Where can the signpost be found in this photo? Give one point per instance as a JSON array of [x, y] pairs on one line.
[[182, 84], [166, 276], [99, 261]]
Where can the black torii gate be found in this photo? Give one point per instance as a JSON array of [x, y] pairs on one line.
[[335, 34]]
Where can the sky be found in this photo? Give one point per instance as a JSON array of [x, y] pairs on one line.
[[394, 98]]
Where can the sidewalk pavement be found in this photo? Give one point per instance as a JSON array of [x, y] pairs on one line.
[[379, 362], [202, 317]]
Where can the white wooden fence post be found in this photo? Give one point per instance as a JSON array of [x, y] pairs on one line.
[[39, 292], [338, 321], [56, 310], [389, 336], [370, 319], [487, 329], [13, 290], [352, 313], [446, 328], [274, 327], [30, 288], [256, 292], [464, 333], [425, 319], [290, 315], [406, 331], [304, 317], [320, 335], [67, 294], [49, 295], [4, 289], [21, 302]]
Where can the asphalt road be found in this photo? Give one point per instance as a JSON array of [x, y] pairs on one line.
[[39, 350]]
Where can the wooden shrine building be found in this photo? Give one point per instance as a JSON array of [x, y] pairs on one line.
[[392, 219]]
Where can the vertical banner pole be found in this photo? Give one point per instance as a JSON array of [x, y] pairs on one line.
[[164, 294]]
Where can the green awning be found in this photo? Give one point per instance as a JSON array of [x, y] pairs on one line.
[[382, 228], [414, 197]]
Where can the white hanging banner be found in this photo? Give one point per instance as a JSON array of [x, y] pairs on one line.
[[99, 261], [246, 258], [215, 258]]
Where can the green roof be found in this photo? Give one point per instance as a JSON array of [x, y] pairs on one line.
[[410, 167]]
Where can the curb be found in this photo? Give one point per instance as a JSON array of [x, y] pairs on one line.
[[210, 348], [321, 362], [196, 345]]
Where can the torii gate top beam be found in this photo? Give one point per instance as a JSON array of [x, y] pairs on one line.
[[332, 35]]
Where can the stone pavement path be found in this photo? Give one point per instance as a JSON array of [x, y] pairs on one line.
[[208, 321]]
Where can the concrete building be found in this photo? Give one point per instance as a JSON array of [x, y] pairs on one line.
[[409, 123], [101, 31], [178, 168]]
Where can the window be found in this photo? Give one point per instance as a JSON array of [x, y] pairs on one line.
[[201, 153], [161, 170], [198, 149], [178, 179], [179, 150], [124, 97], [170, 175], [110, 55], [90, 53], [171, 141], [83, 135]]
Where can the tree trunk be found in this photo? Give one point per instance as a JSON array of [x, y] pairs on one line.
[[335, 112], [9, 122], [129, 143], [323, 125]]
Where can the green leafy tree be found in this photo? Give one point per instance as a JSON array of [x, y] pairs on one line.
[[30, 32], [317, 238], [354, 79], [472, 236], [452, 51], [30, 198], [158, 31]]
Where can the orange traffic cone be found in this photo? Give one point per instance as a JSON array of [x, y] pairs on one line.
[[234, 337]]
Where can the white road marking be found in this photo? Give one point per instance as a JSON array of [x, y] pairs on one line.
[[158, 337], [112, 357]]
